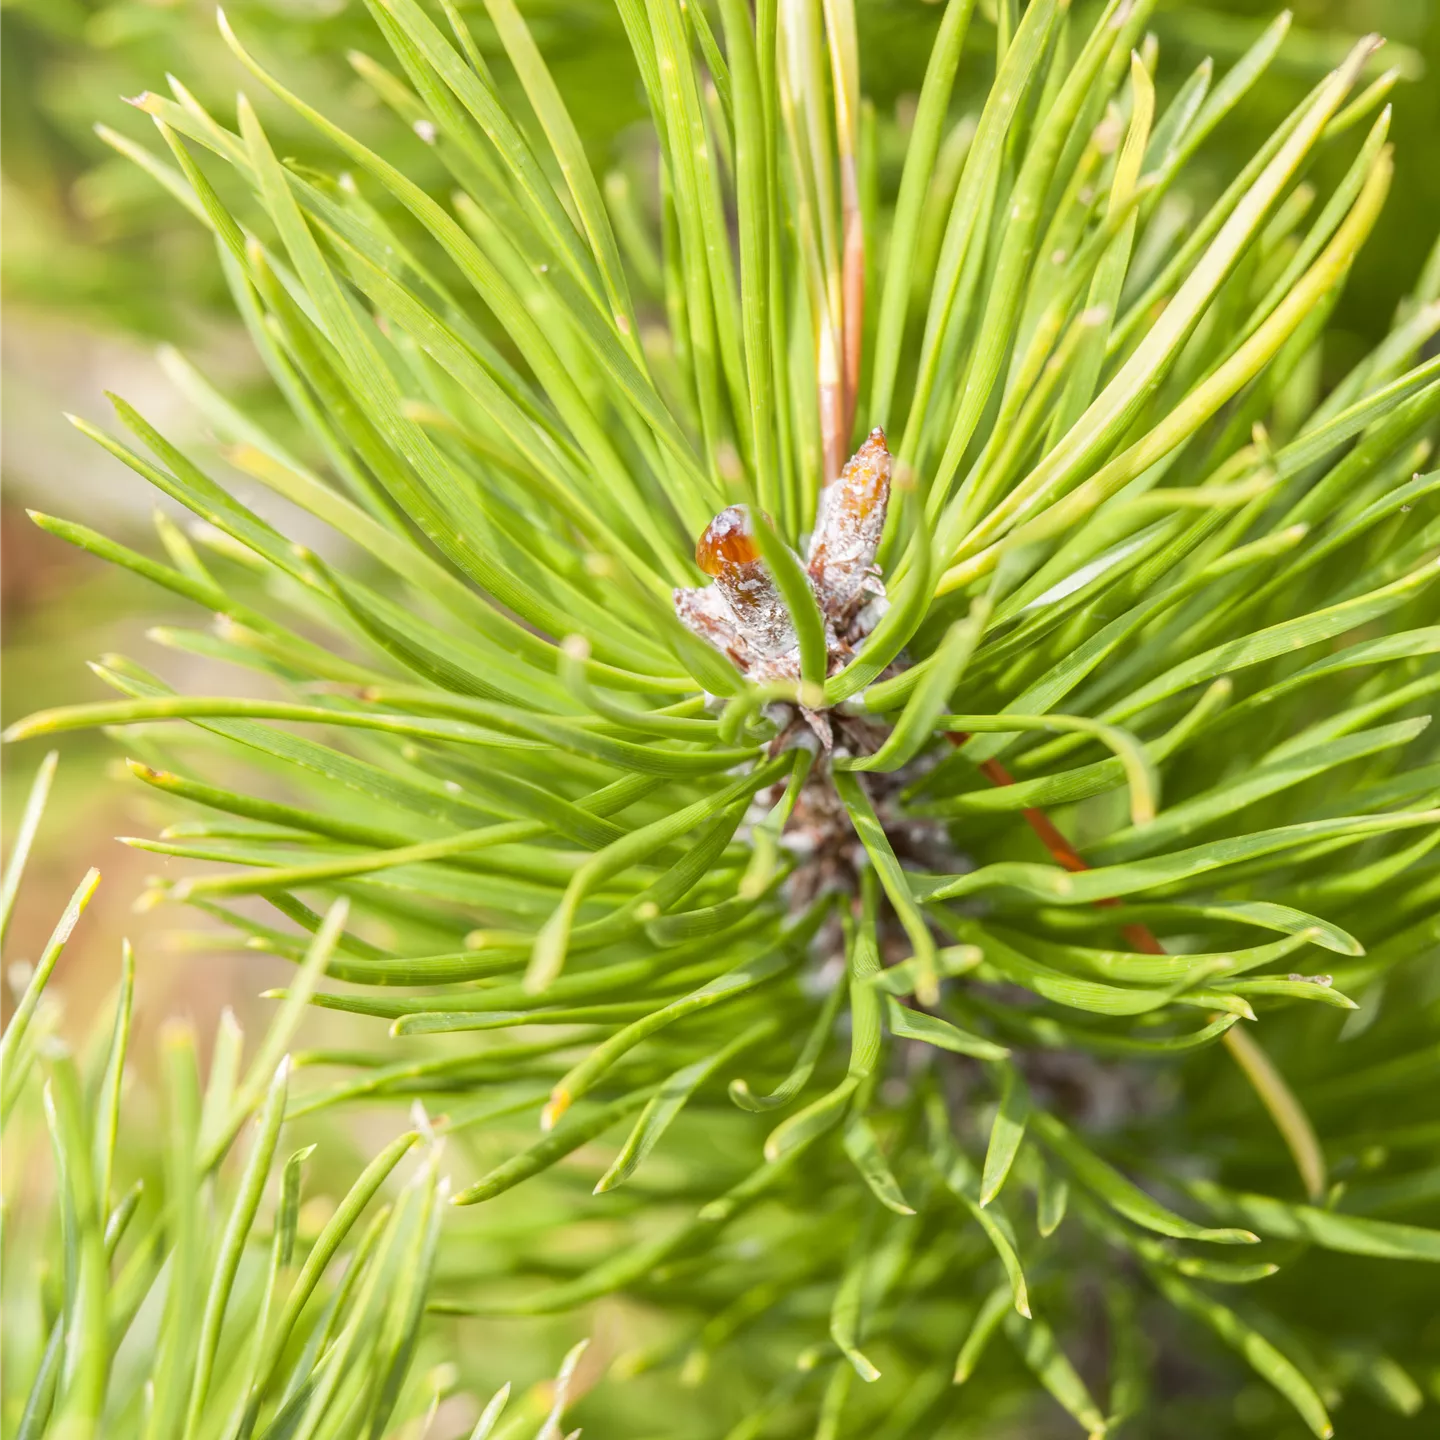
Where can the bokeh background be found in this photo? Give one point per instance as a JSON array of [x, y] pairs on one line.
[[100, 271]]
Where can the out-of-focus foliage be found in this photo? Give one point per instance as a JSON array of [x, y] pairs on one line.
[[84, 233], [1322, 30], [173, 1274], [159, 1304]]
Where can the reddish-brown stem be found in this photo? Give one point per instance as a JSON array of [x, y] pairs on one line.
[[1064, 853]]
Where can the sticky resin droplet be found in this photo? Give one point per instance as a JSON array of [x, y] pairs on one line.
[[727, 542]]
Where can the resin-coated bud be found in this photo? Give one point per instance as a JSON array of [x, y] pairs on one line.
[[727, 552], [848, 527]]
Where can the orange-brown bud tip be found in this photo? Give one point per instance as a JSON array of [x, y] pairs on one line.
[[865, 481], [728, 540]]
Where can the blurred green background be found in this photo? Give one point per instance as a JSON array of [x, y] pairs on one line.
[[98, 267]]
